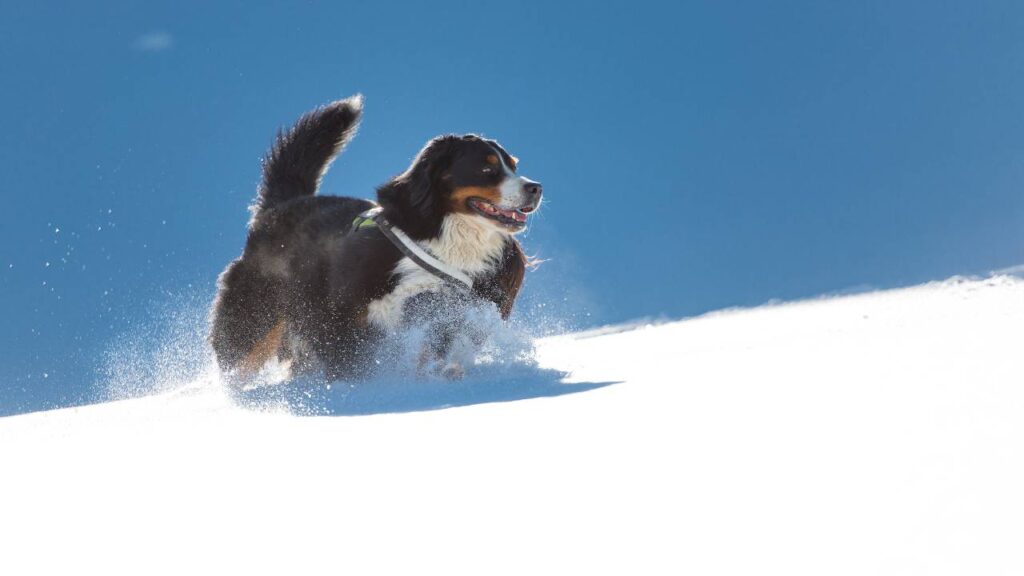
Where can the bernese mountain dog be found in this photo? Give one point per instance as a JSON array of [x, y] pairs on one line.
[[324, 280]]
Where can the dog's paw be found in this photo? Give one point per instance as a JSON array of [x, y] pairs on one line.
[[453, 371]]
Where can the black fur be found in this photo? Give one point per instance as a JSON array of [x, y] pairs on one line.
[[305, 268], [410, 200], [299, 158]]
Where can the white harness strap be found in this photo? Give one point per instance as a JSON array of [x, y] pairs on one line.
[[412, 250]]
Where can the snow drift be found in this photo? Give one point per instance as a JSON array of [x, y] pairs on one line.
[[875, 433]]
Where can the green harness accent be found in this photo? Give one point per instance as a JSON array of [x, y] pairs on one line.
[[362, 221]]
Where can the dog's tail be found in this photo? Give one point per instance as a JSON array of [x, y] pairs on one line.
[[299, 157]]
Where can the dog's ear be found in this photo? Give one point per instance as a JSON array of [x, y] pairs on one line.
[[426, 174], [414, 200]]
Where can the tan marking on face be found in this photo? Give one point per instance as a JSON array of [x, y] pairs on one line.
[[515, 161], [264, 350], [492, 159], [457, 201]]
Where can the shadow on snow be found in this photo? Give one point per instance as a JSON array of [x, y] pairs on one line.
[[396, 394]]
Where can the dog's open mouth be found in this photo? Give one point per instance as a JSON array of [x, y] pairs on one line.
[[515, 218]]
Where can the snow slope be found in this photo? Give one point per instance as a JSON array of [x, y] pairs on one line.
[[876, 433]]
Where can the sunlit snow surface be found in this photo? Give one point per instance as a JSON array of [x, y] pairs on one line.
[[875, 433]]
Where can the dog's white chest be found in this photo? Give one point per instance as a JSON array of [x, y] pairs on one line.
[[386, 312], [466, 243]]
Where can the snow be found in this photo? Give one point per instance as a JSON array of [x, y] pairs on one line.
[[877, 433]]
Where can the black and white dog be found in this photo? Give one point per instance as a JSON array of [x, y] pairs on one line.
[[324, 279]]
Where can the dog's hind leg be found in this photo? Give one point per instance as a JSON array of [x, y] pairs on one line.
[[246, 325], [265, 349]]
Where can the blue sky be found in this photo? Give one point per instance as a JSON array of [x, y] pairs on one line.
[[695, 155]]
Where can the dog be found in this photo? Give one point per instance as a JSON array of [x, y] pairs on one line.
[[324, 280]]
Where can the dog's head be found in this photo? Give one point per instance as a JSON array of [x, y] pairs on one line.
[[459, 175]]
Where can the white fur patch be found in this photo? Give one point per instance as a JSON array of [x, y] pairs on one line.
[[386, 312], [512, 190], [467, 242], [512, 186]]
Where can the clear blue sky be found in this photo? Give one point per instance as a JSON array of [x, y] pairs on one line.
[[695, 155]]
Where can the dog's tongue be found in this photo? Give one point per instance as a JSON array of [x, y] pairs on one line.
[[513, 214], [489, 208]]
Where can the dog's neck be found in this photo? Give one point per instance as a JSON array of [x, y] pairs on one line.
[[468, 243]]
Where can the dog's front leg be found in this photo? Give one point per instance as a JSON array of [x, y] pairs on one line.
[[447, 344], [440, 349]]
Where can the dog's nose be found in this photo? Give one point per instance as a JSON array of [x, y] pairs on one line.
[[533, 189]]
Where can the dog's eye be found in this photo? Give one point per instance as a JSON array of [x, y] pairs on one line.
[[487, 169]]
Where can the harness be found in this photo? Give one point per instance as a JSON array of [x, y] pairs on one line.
[[374, 218]]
